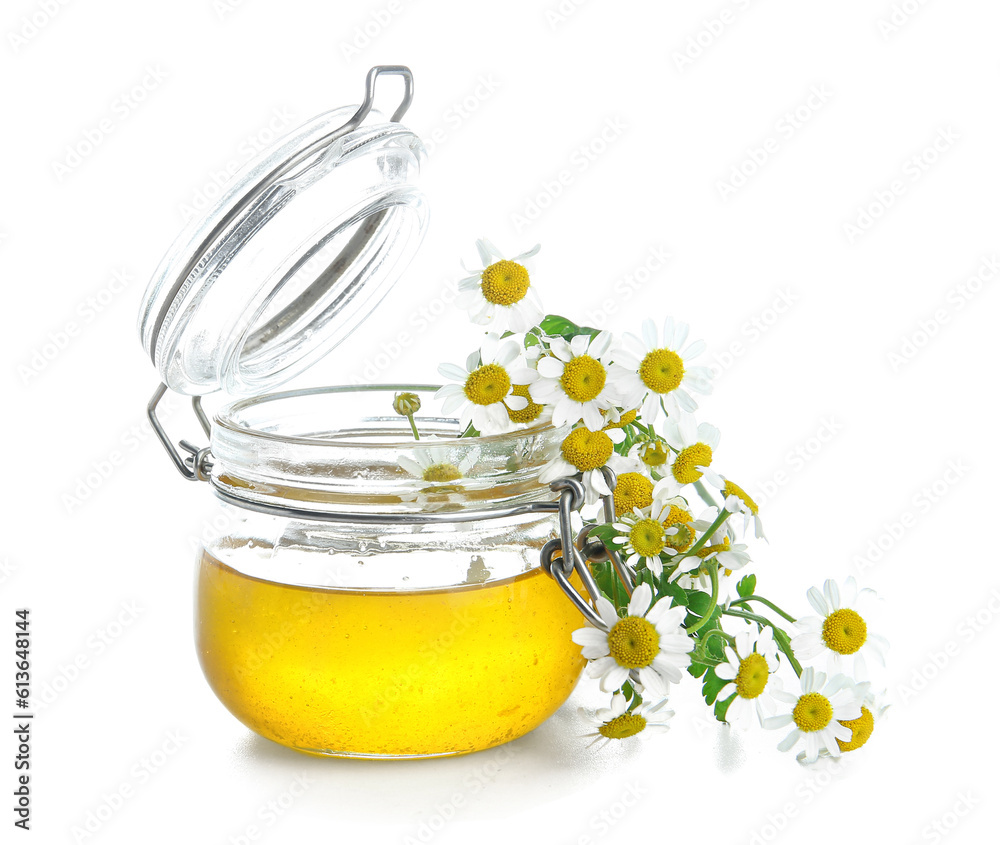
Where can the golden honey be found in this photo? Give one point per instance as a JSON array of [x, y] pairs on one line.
[[387, 673]]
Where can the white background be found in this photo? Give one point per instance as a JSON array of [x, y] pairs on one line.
[[856, 404]]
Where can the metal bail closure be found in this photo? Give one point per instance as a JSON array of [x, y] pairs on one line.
[[583, 551], [198, 465]]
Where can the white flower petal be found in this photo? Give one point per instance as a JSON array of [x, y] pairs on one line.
[[641, 597], [790, 739], [453, 371], [818, 602]]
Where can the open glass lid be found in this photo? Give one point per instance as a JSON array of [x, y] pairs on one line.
[[298, 251]]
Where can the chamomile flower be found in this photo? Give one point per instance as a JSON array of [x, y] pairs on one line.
[[839, 630], [657, 368], [619, 418], [739, 501], [694, 445], [749, 668], [576, 380], [817, 715], [585, 451], [872, 711], [532, 413], [500, 295], [436, 464], [731, 556], [633, 490], [678, 521], [485, 385], [652, 451], [648, 645], [617, 722], [643, 539], [441, 469]]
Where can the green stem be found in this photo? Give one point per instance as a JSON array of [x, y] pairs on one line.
[[721, 518], [706, 497], [701, 651], [645, 429], [713, 573], [413, 427], [780, 637], [717, 632], [614, 586], [766, 602]]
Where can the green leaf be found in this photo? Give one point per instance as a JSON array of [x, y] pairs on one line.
[[699, 602], [605, 533], [716, 647], [603, 576], [722, 707], [555, 326], [748, 583], [531, 339], [647, 576], [696, 670], [678, 594], [711, 686]]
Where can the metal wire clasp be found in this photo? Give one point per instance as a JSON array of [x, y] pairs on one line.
[[582, 551], [197, 466]]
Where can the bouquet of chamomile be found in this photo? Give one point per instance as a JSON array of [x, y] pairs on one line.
[[672, 594]]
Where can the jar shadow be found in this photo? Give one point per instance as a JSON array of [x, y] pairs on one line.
[[553, 760]]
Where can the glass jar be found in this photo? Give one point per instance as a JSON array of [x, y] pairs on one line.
[[376, 596]]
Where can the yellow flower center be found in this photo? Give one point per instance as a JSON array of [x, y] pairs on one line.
[[683, 539], [675, 516], [587, 449], [813, 712], [528, 414], [653, 453], [705, 551], [505, 283], [633, 642], [844, 631], [861, 730], [625, 419], [633, 490], [626, 725], [647, 537], [442, 472], [684, 468], [661, 370], [488, 384], [734, 490], [583, 378], [752, 676]]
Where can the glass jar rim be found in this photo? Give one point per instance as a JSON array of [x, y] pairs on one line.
[[331, 452], [225, 416]]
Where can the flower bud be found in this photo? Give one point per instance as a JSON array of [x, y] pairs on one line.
[[406, 404], [653, 453]]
